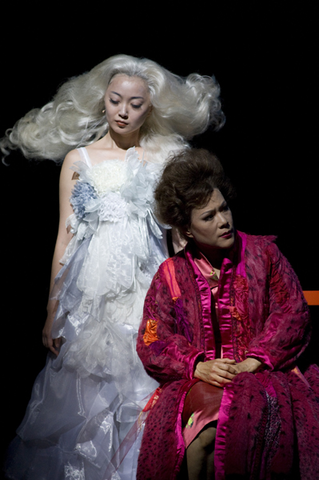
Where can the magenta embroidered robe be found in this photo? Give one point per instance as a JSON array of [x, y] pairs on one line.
[[268, 423]]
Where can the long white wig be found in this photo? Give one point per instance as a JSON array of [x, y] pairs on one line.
[[182, 108]]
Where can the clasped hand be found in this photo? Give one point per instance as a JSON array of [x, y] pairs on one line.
[[221, 371]]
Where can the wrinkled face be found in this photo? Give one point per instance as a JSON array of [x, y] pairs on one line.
[[212, 225], [127, 104]]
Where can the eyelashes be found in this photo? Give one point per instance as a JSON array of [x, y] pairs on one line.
[[135, 106], [210, 216]]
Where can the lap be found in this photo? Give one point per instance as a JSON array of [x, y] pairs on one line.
[[201, 407]]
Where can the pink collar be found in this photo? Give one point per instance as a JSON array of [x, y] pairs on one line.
[[236, 255]]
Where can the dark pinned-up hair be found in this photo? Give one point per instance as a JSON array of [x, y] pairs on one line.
[[187, 182]]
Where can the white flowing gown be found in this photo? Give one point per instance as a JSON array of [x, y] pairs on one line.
[[82, 420]]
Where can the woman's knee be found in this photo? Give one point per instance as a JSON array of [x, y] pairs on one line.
[[207, 437]]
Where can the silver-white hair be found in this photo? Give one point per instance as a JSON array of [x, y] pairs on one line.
[[182, 108]]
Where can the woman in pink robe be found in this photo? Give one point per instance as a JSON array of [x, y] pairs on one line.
[[224, 325]]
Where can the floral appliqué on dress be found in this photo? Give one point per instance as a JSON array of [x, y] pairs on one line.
[[190, 421]]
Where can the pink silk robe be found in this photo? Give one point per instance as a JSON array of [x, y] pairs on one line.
[[268, 425]]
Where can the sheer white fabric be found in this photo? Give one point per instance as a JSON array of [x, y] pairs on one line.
[[86, 401]]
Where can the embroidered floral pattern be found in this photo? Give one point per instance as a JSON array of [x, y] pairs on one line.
[[214, 276], [150, 334], [190, 421], [239, 312]]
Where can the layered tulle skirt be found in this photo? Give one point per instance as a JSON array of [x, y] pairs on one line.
[[84, 418]]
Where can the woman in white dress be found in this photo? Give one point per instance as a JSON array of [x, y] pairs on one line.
[[114, 126]]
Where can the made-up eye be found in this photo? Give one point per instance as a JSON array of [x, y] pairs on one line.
[[209, 217]]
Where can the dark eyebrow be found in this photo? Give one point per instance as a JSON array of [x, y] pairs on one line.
[[210, 212], [132, 98], [213, 211]]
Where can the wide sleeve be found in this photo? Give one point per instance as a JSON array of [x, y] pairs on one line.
[[166, 352], [286, 331]]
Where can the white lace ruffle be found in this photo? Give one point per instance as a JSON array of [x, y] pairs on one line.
[[112, 208]]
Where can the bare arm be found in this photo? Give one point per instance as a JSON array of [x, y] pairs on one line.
[[63, 238]]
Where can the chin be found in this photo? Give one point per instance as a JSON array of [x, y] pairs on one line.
[[226, 244]]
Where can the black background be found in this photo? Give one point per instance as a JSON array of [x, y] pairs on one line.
[[265, 57]]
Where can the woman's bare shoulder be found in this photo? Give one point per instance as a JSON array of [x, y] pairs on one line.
[[69, 160], [71, 157]]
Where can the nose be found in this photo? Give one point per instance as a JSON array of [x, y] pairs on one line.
[[222, 220], [123, 111]]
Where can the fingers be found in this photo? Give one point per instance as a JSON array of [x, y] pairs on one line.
[[222, 373], [225, 364], [57, 345], [217, 381], [52, 344], [220, 384], [54, 350], [216, 372]]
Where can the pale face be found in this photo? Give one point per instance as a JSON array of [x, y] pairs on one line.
[[127, 104], [212, 225]]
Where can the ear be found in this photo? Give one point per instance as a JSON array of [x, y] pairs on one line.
[[189, 234]]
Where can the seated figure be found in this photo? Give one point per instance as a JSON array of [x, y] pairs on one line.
[[225, 324]]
